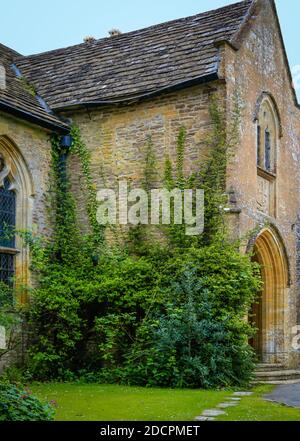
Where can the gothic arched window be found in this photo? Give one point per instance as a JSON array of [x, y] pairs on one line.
[[267, 135], [269, 132], [16, 205], [7, 235]]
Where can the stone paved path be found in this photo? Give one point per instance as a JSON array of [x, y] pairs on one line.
[[211, 414], [286, 394]]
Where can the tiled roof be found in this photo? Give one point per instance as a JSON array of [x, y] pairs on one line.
[[19, 97], [136, 63]]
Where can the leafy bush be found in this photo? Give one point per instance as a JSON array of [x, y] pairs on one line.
[[17, 404], [165, 320], [167, 312], [10, 319], [12, 374], [197, 335]]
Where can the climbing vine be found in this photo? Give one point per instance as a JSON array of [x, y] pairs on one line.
[[180, 150], [79, 148], [150, 169], [168, 173], [160, 313], [220, 144]]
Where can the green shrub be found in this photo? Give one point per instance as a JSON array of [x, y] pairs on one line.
[[193, 348], [10, 319], [74, 314], [17, 404], [167, 312], [12, 374], [196, 335]]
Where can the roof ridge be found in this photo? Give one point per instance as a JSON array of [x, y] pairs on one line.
[[8, 49], [122, 35]]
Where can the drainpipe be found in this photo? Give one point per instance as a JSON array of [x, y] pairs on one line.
[[65, 144]]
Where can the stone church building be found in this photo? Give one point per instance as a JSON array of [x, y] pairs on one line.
[[123, 88]]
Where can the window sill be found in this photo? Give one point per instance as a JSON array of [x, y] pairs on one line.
[[9, 250], [270, 176]]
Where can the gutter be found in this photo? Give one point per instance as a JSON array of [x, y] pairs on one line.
[[23, 114]]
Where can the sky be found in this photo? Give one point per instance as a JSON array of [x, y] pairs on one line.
[[34, 26]]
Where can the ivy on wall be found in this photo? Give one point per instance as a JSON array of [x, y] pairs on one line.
[[79, 148], [159, 312]]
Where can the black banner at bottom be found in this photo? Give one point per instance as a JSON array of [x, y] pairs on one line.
[[90, 431]]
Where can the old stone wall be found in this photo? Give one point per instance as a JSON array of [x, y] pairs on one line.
[[117, 137], [258, 67]]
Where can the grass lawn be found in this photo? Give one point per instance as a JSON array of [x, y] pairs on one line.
[[94, 402]]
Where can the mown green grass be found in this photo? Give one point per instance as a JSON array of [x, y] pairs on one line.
[[94, 402]]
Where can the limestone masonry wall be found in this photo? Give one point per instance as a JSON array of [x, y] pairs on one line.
[[117, 137], [260, 66]]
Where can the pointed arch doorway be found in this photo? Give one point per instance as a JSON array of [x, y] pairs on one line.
[[268, 313]]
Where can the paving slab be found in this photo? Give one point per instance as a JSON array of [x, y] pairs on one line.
[[225, 405], [286, 394], [213, 413], [204, 418], [243, 394]]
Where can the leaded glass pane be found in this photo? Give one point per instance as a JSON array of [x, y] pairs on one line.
[[7, 215], [7, 268], [267, 150], [258, 145]]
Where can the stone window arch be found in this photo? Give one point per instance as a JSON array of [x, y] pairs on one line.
[[268, 132], [17, 190]]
